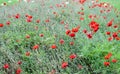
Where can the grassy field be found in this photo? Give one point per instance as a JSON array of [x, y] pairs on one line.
[[115, 3], [60, 37]]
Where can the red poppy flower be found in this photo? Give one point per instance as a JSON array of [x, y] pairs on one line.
[[117, 38], [72, 56], [8, 23], [1, 25], [35, 47], [81, 18], [85, 31], [61, 41], [75, 30], [47, 20], [19, 62], [82, 1], [30, 17], [72, 34], [53, 46], [38, 21], [62, 22], [106, 63], [41, 35], [108, 33], [71, 43], [110, 23], [27, 53], [6, 66], [107, 57], [89, 36], [115, 26], [27, 36], [110, 38], [64, 65], [114, 60], [17, 16], [110, 54], [28, 20], [115, 35], [68, 32], [18, 71]]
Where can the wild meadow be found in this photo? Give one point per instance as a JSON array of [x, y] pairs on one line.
[[60, 37]]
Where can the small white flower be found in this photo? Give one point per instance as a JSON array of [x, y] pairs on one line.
[[33, 1], [9, 1], [66, 2]]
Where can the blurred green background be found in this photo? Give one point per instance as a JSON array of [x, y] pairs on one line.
[[115, 3]]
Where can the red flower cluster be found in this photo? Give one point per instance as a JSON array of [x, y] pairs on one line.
[[94, 26], [107, 57], [72, 33], [29, 18]]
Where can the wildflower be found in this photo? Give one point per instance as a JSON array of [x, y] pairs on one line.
[[75, 30], [107, 57], [53, 46], [27, 36], [82, 1], [35, 47], [115, 26], [72, 56], [64, 65], [106, 63], [68, 32], [62, 22], [47, 20], [27, 53], [1, 25], [6, 66], [114, 60], [72, 34], [110, 23], [28, 20], [41, 35], [71, 43], [61, 41], [17, 16], [85, 31], [115, 35], [18, 71], [108, 33], [38, 21], [110, 38], [89, 36], [19, 62], [8, 23]]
